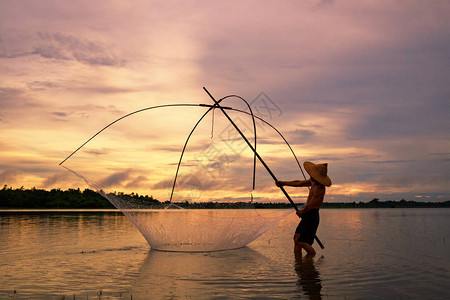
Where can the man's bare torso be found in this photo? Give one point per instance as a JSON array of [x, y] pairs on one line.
[[316, 195]]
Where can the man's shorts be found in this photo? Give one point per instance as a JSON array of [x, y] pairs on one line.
[[307, 227]]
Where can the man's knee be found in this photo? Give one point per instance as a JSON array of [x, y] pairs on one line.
[[307, 247]]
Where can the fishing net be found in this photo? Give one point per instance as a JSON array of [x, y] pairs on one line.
[[184, 176]]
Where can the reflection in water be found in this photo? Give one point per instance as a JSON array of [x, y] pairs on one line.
[[201, 275], [309, 278]]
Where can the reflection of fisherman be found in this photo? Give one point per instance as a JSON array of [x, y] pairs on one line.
[[308, 277], [306, 229]]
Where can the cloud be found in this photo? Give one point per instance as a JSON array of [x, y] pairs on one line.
[[392, 161], [68, 47], [116, 179], [138, 182], [55, 179], [4, 54], [61, 46], [17, 104], [8, 176], [301, 136], [9, 95], [163, 184], [59, 114], [98, 152], [393, 121], [126, 179], [324, 3], [89, 107], [39, 85]]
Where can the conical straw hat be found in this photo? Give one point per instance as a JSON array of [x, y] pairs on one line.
[[318, 172]]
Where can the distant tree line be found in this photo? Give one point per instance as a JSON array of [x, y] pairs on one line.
[[376, 203], [55, 198], [75, 198]]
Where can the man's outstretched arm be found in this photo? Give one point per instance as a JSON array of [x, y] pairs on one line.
[[298, 183]]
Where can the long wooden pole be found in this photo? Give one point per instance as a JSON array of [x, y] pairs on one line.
[[259, 158]]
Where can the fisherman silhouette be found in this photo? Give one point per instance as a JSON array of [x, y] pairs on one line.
[[307, 228]]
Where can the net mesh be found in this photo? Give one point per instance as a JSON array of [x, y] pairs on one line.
[[139, 156]]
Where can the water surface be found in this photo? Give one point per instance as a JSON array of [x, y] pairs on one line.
[[369, 254]]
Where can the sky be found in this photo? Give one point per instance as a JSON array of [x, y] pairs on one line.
[[361, 85]]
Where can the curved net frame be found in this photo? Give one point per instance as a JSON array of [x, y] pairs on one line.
[[215, 172]]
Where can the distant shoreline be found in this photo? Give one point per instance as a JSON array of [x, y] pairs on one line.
[[73, 199]]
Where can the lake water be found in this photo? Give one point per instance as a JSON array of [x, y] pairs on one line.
[[369, 254]]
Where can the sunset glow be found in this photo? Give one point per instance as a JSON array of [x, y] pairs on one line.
[[360, 85]]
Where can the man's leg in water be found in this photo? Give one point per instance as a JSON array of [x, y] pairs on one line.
[[299, 245], [308, 248]]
